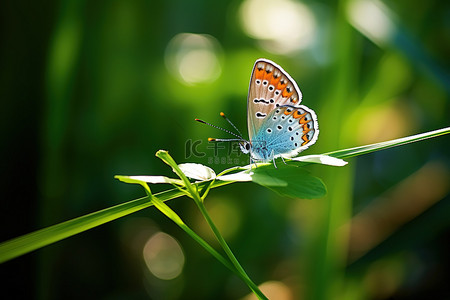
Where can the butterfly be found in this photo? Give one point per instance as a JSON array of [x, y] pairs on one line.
[[278, 126]]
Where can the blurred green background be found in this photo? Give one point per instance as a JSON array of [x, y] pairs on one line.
[[91, 89]]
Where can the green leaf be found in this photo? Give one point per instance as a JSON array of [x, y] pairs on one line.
[[321, 159], [289, 180], [240, 176], [149, 179], [49, 235], [197, 171], [383, 145], [167, 159]]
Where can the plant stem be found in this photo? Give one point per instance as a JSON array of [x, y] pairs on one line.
[[228, 251], [163, 155], [166, 210], [37, 239], [40, 238]]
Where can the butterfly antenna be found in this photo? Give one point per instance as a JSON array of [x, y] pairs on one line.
[[224, 140], [228, 120], [227, 131]]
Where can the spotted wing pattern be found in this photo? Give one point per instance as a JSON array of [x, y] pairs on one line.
[[277, 124], [270, 87], [285, 132]]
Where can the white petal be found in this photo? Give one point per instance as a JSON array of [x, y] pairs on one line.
[[241, 176], [197, 171], [322, 159], [155, 179]]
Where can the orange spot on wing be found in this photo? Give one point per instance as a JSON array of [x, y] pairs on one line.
[[281, 86], [306, 129], [259, 74], [286, 112], [297, 115], [275, 81], [305, 132], [306, 140], [286, 94], [303, 120], [268, 76]]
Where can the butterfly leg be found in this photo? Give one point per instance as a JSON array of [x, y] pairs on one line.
[[283, 160], [273, 159], [256, 165], [252, 161]]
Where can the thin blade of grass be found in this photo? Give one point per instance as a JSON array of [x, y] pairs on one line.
[[32, 241], [350, 152], [43, 237]]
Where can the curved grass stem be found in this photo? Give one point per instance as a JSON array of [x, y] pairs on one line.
[[164, 155], [228, 251]]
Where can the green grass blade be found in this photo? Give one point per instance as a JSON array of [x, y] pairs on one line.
[[166, 210], [165, 156], [384, 145], [148, 179], [46, 236], [40, 238], [49, 235]]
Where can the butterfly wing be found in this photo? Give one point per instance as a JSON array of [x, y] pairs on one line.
[[285, 132], [277, 124], [270, 87]]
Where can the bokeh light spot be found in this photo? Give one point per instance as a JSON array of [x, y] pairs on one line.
[[383, 122], [280, 26], [193, 58], [163, 256], [226, 216], [274, 290], [372, 18]]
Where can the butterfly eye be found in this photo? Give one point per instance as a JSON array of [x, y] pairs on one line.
[[245, 146]]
